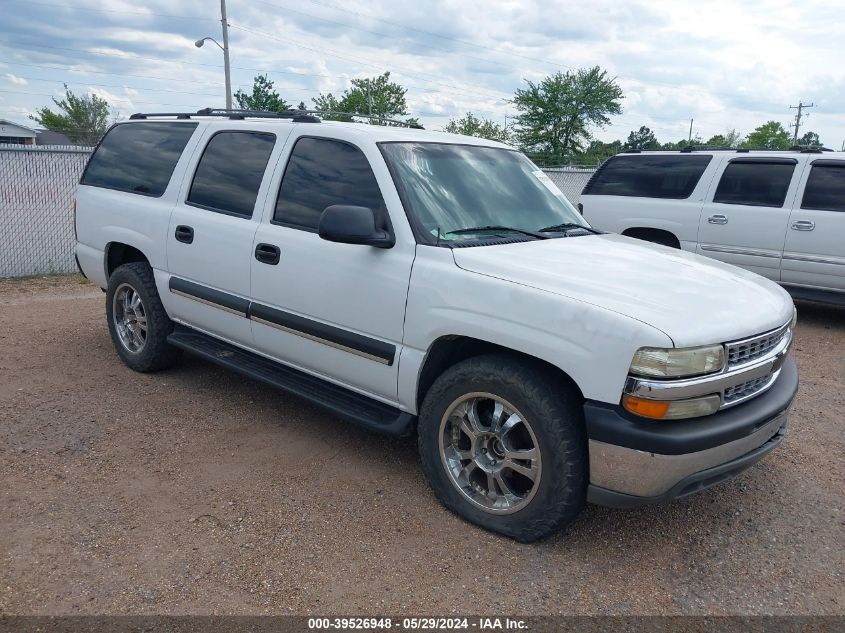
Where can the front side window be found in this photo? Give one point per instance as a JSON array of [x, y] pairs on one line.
[[452, 189], [138, 157], [649, 176], [755, 182], [321, 173], [230, 171], [825, 188]]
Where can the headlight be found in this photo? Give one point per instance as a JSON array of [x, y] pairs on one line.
[[678, 363]]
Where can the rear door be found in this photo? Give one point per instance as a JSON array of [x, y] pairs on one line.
[[209, 243], [744, 219], [814, 252]]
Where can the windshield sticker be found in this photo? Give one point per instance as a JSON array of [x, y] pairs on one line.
[[548, 184]]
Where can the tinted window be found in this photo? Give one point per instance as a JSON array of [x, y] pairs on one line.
[[825, 187], [755, 183], [230, 171], [644, 176], [321, 173], [138, 157]]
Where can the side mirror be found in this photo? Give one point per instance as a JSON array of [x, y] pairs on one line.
[[349, 224]]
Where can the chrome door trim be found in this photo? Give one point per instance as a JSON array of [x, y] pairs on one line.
[[736, 250]]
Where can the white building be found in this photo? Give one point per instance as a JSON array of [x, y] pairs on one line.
[[14, 134]]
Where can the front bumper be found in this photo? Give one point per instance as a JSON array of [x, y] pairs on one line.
[[634, 461]]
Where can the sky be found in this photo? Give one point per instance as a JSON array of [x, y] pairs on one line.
[[723, 64]]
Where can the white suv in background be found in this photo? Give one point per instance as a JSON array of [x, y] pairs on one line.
[[778, 213], [428, 283]]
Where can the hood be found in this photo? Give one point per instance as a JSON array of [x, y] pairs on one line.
[[692, 299]]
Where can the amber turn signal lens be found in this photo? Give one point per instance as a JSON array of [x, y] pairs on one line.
[[647, 408]]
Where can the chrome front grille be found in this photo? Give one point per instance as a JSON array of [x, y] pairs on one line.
[[750, 349], [746, 389]]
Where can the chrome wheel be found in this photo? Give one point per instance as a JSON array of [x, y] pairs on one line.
[[490, 453], [130, 318]]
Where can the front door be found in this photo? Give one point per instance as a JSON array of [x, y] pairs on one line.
[[744, 221], [336, 310], [209, 246], [814, 252]]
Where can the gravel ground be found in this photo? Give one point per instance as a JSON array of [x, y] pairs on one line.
[[198, 491]]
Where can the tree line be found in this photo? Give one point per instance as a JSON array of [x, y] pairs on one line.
[[554, 123]]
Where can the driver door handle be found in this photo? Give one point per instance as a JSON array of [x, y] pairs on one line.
[[803, 225], [717, 219]]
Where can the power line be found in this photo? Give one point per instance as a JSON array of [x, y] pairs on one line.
[[331, 53]]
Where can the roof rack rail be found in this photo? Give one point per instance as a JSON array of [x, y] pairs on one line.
[[810, 149], [296, 115]]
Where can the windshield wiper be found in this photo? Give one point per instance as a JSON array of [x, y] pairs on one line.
[[494, 227], [568, 226]]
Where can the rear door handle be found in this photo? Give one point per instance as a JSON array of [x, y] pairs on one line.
[[717, 219], [803, 225], [268, 254], [184, 234]]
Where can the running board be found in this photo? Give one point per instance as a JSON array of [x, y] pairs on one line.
[[343, 402]]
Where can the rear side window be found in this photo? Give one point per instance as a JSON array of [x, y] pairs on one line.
[[230, 172], [320, 173], [825, 188], [755, 183], [644, 176], [138, 157]]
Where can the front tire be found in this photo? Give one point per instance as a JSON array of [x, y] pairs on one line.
[[138, 323], [502, 445]]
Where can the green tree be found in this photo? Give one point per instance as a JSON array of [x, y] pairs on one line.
[[556, 114], [263, 97], [374, 95], [471, 125], [810, 139], [643, 138], [770, 135], [83, 119], [731, 138], [598, 152]]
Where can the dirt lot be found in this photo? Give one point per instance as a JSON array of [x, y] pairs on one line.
[[198, 491]]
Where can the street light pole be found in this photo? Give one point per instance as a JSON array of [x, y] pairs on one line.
[[225, 24]]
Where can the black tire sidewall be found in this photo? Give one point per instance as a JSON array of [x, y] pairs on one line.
[[156, 352], [551, 411]]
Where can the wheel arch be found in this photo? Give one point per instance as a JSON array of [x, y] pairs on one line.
[[450, 350], [119, 253], [651, 234]]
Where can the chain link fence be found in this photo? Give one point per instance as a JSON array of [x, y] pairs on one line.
[[37, 186], [570, 180]]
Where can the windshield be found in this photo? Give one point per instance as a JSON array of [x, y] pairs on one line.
[[457, 187]]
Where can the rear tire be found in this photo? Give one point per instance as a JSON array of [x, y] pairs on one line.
[[528, 479], [138, 323]]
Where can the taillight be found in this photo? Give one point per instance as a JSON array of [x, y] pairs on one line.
[[75, 236]]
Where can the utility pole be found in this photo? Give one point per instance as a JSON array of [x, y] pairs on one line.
[[799, 107], [226, 70], [690, 132]]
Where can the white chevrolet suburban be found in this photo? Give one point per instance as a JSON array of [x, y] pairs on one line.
[[414, 281], [780, 214]]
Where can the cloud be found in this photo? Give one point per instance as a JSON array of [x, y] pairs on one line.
[[724, 64], [15, 79]]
